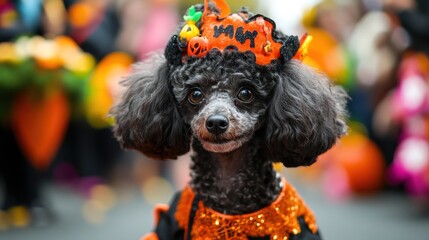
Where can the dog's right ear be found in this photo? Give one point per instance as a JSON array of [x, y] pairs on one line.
[[147, 117]]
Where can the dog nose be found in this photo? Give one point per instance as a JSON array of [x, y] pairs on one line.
[[217, 124]]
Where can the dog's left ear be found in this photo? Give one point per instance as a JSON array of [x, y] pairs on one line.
[[147, 117], [306, 115]]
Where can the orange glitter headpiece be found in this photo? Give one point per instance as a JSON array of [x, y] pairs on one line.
[[219, 29]]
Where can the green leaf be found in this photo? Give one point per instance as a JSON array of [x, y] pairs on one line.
[[187, 18], [192, 15], [191, 11], [197, 16]]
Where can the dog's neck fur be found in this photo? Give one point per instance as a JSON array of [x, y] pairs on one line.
[[238, 182]]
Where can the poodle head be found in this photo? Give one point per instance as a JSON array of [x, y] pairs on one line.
[[224, 98]]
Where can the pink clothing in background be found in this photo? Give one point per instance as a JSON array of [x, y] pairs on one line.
[[160, 25]]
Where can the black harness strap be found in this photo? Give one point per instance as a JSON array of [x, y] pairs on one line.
[[192, 216]]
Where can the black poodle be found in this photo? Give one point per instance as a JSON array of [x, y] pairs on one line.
[[239, 117]]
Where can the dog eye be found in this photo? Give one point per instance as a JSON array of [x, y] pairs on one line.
[[196, 96], [245, 95]]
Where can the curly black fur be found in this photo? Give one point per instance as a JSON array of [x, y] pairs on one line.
[[253, 186], [295, 116], [306, 115], [174, 51], [147, 118], [289, 48]]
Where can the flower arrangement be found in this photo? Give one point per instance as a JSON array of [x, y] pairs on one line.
[[41, 81]]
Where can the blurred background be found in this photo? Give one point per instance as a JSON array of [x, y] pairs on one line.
[[63, 175]]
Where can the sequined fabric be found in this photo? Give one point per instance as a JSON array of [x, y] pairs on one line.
[[278, 220]]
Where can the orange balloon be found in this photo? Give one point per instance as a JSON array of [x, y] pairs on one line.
[[361, 159], [39, 124]]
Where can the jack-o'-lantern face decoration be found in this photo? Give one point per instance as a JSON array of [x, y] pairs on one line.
[[198, 46]]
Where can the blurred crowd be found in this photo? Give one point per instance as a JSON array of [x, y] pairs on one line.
[[378, 51], [61, 62]]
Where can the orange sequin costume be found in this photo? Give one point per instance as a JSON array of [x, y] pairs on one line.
[[278, 220]]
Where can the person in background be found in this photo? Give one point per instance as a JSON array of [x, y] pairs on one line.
[[405, 108], [414, 17]]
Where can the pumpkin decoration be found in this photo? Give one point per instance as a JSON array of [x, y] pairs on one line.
[[198, 46], [224, 30], [190, 30]]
